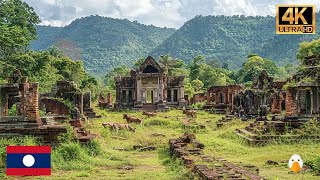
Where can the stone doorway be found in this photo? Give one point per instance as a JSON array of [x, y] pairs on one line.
[[150, 97], [308, 102]]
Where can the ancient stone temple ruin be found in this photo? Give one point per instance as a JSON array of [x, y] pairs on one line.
[[302, 95], [105, 102], [149, 88], [264, 94], [19, 111], [64, 96], [221, 98]]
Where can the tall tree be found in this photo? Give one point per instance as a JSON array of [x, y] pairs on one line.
[[17, 21]]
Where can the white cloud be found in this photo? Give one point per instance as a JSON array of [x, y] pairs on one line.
[[169, 13]]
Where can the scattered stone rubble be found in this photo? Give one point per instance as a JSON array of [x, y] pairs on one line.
[[190, 151]]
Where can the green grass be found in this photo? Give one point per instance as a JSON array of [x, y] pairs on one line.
[[109, 157]]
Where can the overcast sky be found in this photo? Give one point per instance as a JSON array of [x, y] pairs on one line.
[[163, 13]]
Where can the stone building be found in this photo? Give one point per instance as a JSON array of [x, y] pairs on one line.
[[221, 98], [198, 98], [265, 92], [149, 88], [302, 95]]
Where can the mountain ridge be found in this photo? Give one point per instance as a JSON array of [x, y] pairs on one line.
[[104, 43]]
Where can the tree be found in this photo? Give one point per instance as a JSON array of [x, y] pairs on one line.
[[55, 52], [122, 70], [17, 21], [138, 62], [197, 84], [170, 65], [254, 65], [308, 49]]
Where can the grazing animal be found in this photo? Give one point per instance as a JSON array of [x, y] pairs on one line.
[[149, 114], [118, 126], [190, 113], [132, 119]]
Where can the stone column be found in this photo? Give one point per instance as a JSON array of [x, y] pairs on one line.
[[138, 90], [172, 95], [291, 105], [311, 98], [79, 102], [31, 104], [87, 99], [109, 99], [4, 106]]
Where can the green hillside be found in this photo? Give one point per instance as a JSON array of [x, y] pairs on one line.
[[231, 39], [103, 43]]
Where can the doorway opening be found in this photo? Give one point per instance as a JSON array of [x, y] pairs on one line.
[[150, 97]]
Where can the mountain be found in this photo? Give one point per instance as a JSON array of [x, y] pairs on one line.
[[103, 43], [230, 40]]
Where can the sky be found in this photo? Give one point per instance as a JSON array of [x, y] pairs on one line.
[[162, 13]]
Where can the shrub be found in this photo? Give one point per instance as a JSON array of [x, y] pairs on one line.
[[198, 105], [93, 148], [68, 136], [314, 164], [70, 151]]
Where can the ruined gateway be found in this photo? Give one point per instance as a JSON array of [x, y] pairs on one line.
[[149, 88]]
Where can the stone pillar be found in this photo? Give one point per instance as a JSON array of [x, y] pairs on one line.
[[79, 102], [311, 98], [32, 104], [87, 100], [291, 105], [172, 95], [138, 90], [208, 97], [109, 99], [4, 105]]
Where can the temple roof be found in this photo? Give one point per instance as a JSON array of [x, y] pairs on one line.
[[150, 66]]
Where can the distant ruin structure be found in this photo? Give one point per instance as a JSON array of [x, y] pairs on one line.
[[149, 88]]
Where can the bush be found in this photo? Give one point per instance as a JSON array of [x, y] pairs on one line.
[[70, 151], [312, 127], [68, 136], [314, 164], [12, 111], [198, 105], [93, 148]]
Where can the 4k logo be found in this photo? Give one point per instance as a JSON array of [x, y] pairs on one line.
[[296, 19]]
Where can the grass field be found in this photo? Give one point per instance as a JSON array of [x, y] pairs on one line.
[[111, 157]]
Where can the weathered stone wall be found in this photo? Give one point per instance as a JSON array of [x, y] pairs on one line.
[[291, 104], [55, 107]]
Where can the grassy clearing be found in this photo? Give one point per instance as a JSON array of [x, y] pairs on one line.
[[111, 155]]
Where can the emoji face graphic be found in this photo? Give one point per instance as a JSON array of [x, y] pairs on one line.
[[295, 163]]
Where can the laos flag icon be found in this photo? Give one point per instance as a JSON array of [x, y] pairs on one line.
[[28, 160]]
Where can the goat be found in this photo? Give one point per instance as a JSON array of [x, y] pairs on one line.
[[118, 126], [133, 119], [190, 113]]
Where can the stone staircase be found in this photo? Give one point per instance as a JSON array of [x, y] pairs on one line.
[[90, 113], [224, 120], [18, 126], [84, 136]]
